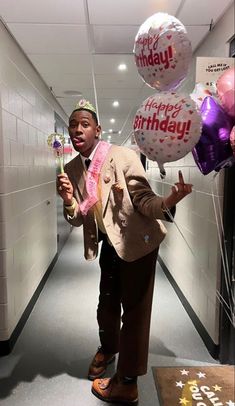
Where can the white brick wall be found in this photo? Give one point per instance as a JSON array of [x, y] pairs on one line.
[[28, 234], [196, 269]]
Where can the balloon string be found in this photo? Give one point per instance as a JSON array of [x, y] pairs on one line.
[[172, 219], [218, 294], [230, 306], [221, 222], [223, 248]]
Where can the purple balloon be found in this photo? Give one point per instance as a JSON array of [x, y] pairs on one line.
[[213, 151]]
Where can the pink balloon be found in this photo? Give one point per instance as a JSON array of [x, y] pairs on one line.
[[162, 52], [232, 139], [226, 91], [166, 127]]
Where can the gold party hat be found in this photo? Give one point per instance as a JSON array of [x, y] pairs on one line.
[[85, 104]]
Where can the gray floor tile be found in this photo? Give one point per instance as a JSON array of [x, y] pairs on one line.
[[48, 365]]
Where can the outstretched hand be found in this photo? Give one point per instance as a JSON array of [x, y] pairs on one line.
[[178, 192]]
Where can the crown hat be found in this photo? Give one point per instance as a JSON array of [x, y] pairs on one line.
[[85, 104]]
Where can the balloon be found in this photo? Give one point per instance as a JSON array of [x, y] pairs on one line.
[[232, 139], [199, 93], [213, 151], [226, 91], [162, 52], [166, 127]]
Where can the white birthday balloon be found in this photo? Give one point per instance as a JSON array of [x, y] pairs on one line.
[[166, 127], [162, 52]]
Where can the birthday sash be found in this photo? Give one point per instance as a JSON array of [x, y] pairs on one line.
[[93, 176]]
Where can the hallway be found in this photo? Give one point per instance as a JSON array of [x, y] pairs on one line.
[[48, 365]]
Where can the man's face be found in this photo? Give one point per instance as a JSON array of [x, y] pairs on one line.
[[83, 131]]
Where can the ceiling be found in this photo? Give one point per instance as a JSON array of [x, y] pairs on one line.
[[77, 46]]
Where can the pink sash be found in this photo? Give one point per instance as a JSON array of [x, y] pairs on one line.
[[93, 176]]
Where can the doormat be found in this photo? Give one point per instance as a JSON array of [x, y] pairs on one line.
[[195, 386]]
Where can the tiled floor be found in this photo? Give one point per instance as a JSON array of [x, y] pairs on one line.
[[48, 365]]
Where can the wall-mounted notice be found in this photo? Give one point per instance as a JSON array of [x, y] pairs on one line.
[[208, 70]]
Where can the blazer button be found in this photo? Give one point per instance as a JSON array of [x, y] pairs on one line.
[[107, 179], [92, 236], [146, 239]]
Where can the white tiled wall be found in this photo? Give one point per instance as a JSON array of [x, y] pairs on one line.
[[195, 263], [191, 252], [28, 234]]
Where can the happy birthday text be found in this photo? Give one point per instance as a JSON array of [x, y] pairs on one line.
[[153, 123], [155, 58], [162, 107]]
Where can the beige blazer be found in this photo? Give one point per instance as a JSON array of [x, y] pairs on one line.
[[131, 210]]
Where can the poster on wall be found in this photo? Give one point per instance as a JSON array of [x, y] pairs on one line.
[[208, 70]]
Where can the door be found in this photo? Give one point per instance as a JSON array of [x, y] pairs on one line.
[[227, 331]]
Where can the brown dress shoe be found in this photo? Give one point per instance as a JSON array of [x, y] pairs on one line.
[[113, 390], [99, 364]]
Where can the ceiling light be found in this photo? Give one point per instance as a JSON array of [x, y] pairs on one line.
[[115, 103], [112, 120], [119, 132], [122, 66], [110, 130], [109, 137]]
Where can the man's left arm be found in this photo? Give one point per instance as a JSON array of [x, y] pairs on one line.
[[141, 193], [143, 197]]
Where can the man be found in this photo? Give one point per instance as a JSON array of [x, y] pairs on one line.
[[115, 203]]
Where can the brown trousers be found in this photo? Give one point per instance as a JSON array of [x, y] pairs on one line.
[[130, 285]]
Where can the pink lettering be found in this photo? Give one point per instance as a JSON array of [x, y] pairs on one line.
[[151, 58], [154, 123], [166, 108]]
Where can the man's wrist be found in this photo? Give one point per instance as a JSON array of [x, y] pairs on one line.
[[70, 203], [164, 207], [168, 202]]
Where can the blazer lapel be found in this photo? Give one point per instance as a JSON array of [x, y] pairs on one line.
[[107, 180], [79, 177]]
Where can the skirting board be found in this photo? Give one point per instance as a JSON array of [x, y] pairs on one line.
[[7, 345], [209, 343]]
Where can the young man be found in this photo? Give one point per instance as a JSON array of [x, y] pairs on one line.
[[115, 203]]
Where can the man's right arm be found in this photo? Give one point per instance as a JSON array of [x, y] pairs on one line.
[[71, 207]]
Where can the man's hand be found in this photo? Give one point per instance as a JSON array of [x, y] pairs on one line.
[[178, 192], [65, 188]]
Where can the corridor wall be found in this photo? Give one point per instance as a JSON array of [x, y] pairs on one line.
[[28, 233], [197, 275]]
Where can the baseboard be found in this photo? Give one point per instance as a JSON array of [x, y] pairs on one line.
[[209, 343], [7, 345]]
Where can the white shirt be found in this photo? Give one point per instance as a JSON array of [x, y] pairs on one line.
[[84, 158]]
